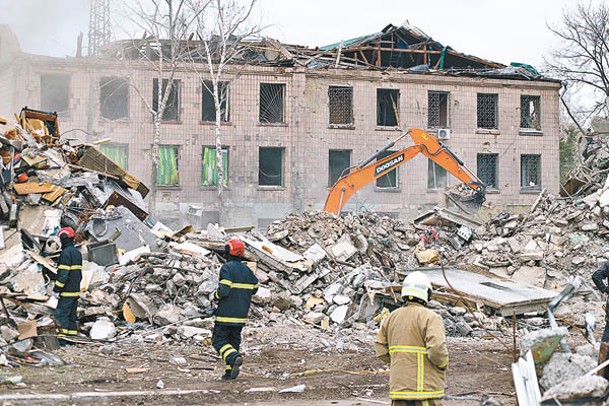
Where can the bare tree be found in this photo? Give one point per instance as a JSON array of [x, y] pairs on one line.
[[582, 59], [163, 48], [221, 27]]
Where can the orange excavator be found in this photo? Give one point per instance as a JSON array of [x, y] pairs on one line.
[[371, 169]]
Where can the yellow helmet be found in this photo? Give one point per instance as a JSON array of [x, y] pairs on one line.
[[416, 284]]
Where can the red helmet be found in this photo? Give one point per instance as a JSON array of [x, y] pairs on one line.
[[234, 247], [68, 232]]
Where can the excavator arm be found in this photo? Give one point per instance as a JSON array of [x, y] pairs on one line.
[[372, 169]]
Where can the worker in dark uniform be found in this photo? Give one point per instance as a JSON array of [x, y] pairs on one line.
[[67, 284], [236, 287], [598, 277]]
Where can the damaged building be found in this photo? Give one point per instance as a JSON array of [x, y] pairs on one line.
[[295, 118]]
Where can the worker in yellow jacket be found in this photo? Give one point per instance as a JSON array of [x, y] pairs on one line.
[[413, 341]]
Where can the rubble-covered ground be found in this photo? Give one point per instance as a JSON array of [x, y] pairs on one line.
[[334, 369], [326, 282]]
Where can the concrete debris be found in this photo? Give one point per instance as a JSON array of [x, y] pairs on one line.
[[103, 329], [564, 368], [585, 390]]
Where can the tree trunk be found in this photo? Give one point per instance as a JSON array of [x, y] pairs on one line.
[[154, 156]]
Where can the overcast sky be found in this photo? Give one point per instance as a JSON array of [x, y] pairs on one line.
[[501, 31]]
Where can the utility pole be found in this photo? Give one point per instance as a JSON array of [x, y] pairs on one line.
[[99, 25]]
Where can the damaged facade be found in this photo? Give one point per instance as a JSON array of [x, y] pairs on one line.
[[297, 117]]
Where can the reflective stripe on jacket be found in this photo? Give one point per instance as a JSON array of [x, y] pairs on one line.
[[69, 272], [235, 290], [412, 340]]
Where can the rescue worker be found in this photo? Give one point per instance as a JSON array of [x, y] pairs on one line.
[[598, 277], [67, 284], [235, 289], [412, 341]]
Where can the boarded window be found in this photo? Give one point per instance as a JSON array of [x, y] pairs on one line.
[[55, 93], [390, 179], [208, 107], [437, 109], [339, 164], [172, 108], [487, 111], [488, 165], [272, 96], [530, 112], [168, 170], [117, 152], [114, 98], [437, 177], [209, 169], [340, 103], [387, 107], [530, 172], [270, 170]]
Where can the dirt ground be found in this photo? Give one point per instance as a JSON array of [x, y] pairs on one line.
[[335, 369]]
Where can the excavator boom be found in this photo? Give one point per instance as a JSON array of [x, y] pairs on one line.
[[372, 169]]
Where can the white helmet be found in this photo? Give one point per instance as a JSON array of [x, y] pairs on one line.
[[416, 284]]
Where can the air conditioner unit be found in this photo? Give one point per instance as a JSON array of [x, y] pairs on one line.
[[443, 133]]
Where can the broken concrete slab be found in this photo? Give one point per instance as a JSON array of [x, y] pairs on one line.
[[542, 343], [584, 390], [563, 368]]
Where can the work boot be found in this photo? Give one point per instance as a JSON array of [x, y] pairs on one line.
[[237, 362], [226, 376]]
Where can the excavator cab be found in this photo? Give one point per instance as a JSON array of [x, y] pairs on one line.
[[469, 198]]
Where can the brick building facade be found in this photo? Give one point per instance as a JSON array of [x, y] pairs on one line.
[[289, 131]]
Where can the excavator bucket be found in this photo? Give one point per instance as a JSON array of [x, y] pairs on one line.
[[469, 200]]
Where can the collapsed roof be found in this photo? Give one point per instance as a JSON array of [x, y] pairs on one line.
[[401, 48]]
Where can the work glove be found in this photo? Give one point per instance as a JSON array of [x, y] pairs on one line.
[[55, 295]]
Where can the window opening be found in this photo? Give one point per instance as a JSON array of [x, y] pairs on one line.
[[530, 114], [208, 112], [530, 172], [114, 98], [172, 108], [437, 114], [487, 111], [437, 177], [168, 170], [209, 169], [55, 93], [390, 179], [340, 102], [387, 107], [487, 169], [270, 166], [339, 164], [272, 102]]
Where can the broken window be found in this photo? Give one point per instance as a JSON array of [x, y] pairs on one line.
[[270, 166], [530, 113], [339, 164], [340, 103], [172, 108], [437, 109], [387, 107], [208, 112], [117, 152], [487, 111], [272, 97], [167, 171], [114, 97], [437, 177], [487, 169], [209, 168], [390, 179], [55, 93], [530, 172]]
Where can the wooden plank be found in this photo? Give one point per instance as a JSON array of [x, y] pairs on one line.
[[32, 187]]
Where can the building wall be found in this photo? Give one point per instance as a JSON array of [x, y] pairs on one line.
[[306, 136]]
